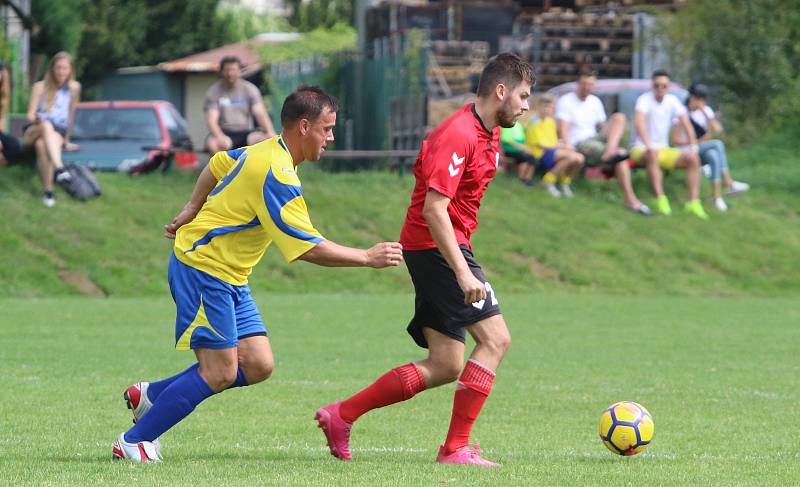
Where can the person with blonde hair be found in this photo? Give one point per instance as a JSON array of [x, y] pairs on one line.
[[561, 161], [50, 114]]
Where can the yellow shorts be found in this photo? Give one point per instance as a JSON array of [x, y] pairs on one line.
[[667, 157]]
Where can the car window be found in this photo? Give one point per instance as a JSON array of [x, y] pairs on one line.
[[176, 125], [115, 123]]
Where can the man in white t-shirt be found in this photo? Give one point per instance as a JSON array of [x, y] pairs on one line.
[[652, 121], [582, 124]]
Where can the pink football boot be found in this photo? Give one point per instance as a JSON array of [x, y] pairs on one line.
[[336, 429], [466, 455]]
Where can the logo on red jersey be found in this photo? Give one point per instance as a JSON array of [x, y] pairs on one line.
[[453, 167]]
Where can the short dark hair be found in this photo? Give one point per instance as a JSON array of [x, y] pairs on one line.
[[229, 60], [306, 102], [587, 73], [506, 68], [660, 72]]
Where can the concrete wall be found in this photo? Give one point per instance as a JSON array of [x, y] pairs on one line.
[[195, 87]]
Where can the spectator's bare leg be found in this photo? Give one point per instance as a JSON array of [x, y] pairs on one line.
[[691, 162], [654, 172], [53, 142], [255, 137], [46, 169], [525, 172], [623, 174], [615, 129], [578, 160]]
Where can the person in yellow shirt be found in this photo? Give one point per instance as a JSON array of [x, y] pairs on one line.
[[562, 162], [245, 200]]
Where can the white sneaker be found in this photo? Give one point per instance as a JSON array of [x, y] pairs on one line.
[[62, 176], [720, 204], [48, 200], [566, 190], [737, 187], [136, 398], [554, 192], [142, 452]]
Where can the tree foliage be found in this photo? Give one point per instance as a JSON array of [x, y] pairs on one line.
[[307, 15], [749, 51], [107, 34]]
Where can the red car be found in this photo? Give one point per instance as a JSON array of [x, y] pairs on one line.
[[130, 136]]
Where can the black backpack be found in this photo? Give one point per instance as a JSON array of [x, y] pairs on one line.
[[82, 185]]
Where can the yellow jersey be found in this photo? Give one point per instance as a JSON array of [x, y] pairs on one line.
[[257, 201], [541, 132]]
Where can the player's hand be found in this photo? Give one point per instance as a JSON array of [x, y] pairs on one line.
[[385, 254], [474, 290], [186, 215], [70, 147], [227, 142]]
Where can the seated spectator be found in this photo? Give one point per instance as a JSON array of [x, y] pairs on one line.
[[582, 123], [712, 151], [655, 111], [231, 105], [50, 114], [10, 150], [513, 141], [562, 162]]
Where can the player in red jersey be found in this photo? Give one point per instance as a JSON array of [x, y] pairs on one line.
[[455, 165]]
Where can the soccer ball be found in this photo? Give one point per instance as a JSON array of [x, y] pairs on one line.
[[626, 428]]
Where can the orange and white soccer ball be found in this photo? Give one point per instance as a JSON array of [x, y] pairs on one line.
[[626, 428]]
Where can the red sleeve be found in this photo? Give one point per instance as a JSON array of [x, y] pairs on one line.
[[446, 162]]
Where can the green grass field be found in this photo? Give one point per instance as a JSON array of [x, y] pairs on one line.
[[527, 241], [720, 376]]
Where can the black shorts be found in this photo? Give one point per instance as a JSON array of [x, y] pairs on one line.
[[439, 302]]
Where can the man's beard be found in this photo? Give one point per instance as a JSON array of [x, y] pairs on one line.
[[505, 117]]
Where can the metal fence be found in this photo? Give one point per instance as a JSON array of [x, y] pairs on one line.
[[365, 86]]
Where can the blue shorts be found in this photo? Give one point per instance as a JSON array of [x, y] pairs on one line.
[[210, 312], [548, 159]]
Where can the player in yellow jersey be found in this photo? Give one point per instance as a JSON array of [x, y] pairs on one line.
[[562, 162], [244, 200]]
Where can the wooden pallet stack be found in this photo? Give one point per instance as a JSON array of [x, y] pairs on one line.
[[564, 43], [453, 66]]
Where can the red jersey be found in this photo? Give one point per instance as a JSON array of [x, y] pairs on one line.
[[458, 159]]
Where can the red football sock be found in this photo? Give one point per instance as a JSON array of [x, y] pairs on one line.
[[397, 385], [472, 390]]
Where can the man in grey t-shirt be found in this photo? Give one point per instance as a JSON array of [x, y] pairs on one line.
[[231, 105]]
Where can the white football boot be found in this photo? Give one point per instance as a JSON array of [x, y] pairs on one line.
[[136, 398], [142, 452]]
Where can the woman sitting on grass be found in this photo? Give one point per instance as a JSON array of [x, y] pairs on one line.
[[50, 113]]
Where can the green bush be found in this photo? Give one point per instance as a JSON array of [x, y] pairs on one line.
[[748, 51]]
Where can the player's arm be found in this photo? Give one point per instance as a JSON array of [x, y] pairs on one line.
[[205, 183], [212, 120], [563, 131], [687, 127], [331, 254], [441, 228], [640, 124], [264, 123]]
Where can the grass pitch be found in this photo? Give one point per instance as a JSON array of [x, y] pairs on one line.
[[720, 376]]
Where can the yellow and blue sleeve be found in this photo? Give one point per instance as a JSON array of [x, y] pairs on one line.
[[290, 227], [221, 163]]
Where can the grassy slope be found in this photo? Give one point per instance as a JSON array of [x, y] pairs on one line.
[[527, 241], [719, 375]]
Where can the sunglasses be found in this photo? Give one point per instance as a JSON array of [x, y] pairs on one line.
[[660, 85]]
